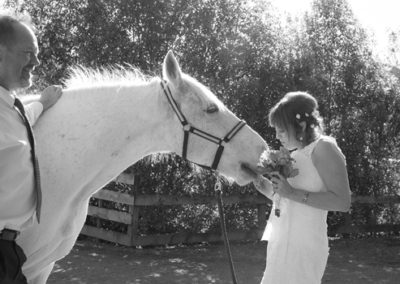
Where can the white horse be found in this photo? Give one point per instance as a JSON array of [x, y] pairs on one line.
[[105, 122]]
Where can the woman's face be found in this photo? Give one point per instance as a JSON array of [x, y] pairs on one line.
[[287, 139]]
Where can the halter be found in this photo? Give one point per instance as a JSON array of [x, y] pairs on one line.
[[187, 128]]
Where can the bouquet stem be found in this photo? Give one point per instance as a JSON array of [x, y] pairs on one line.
[[277, 202]]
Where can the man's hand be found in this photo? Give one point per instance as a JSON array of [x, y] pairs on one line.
[[50, 96]]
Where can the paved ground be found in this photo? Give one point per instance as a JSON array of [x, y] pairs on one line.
[[351, 262]]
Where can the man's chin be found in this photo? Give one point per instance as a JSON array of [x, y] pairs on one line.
[[24, 83]]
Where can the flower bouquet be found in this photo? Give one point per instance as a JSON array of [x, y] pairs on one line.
[[277, 161]]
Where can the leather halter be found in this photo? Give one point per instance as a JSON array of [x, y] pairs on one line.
[[187, 128]]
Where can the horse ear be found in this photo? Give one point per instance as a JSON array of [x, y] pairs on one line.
[[171, 69]]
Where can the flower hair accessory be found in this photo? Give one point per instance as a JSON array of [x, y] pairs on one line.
[[308, 118], [298, 116]]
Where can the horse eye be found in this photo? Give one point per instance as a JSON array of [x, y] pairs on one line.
[[212, 109]]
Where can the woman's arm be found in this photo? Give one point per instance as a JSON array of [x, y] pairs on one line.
[[331, 166]]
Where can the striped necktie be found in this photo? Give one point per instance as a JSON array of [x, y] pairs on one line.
[[19, 106]]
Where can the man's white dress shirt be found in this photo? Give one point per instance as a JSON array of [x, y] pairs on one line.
[[17, 184]]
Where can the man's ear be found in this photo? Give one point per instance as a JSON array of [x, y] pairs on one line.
[[3, 50]]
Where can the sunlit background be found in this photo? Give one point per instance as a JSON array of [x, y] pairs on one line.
[[378, 17]]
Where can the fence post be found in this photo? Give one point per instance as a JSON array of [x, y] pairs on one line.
[[261, 216], [347, 225], [134, 226], [134, 212], [98, 220]]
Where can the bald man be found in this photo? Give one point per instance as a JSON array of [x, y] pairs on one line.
[[20, 193]]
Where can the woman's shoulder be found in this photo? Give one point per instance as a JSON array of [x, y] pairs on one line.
[[327, 141], [309, 149], [326, 147]]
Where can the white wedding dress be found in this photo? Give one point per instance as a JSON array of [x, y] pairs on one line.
[[297, 250]]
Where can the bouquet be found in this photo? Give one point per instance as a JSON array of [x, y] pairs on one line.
[[277, 161]]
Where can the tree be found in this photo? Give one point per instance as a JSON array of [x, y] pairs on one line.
[[357, 97]]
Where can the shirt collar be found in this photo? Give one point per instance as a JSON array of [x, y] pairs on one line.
[[7, 97]]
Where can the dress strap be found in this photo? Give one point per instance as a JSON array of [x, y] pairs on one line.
[[307, 150]]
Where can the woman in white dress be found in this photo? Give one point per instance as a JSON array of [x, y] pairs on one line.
[[297, 250]]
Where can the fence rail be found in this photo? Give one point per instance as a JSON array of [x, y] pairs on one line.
[[133, 205], [131, 218]]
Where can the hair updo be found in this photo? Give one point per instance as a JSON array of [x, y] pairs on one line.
[[294, 111]]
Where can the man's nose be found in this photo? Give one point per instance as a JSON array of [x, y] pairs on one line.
[[35, 60]]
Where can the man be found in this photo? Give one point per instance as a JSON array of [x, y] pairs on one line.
[[19, 175]]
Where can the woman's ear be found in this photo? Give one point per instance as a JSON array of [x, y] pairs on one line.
[[303, 125]]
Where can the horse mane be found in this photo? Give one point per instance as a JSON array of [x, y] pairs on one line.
[[80, 77], [83, 77]]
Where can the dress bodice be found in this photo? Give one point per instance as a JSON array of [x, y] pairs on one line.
[[296, 217], [308, 177]]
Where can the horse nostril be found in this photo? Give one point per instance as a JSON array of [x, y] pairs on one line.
[[246, 168]]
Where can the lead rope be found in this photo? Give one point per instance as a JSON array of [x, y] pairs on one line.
[[218, 190]]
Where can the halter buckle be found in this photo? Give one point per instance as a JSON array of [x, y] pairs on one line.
[[187, 127]]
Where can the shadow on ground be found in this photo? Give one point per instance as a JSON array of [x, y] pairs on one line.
[[91, 262]]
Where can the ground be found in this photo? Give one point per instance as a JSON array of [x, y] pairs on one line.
[[361, 261]]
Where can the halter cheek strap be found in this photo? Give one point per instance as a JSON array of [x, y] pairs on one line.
[[189, 129]]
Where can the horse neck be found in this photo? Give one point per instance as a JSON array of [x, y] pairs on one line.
[[95, 134], [140, 121], [137, 123]]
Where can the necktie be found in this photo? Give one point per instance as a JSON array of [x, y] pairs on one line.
[[31, 138]]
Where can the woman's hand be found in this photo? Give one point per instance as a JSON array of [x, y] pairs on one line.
[[280, 185], [264, 186]]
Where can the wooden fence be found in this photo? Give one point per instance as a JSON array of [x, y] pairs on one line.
[[134, 204]]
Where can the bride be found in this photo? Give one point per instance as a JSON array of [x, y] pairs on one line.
[[297, 250]]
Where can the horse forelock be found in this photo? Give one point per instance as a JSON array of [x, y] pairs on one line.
[[83, 77]]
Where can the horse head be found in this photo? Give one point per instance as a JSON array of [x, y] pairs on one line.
[[212, 136]]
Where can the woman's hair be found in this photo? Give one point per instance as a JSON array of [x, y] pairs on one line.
[[295, 110]]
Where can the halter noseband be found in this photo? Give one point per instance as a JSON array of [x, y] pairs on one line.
[[187, 128]]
